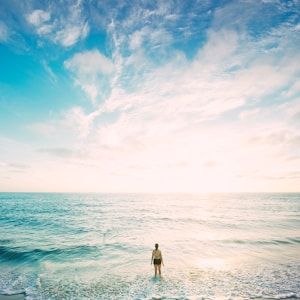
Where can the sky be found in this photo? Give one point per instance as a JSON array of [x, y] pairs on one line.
[[150, 96]]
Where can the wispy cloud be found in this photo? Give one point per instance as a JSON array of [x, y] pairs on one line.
[[74, 122], [49, 70], [63, 25], [79, 121], [61, 152], [3, 32], [91, 70], [14, 167], [38, 17], [90, 63]]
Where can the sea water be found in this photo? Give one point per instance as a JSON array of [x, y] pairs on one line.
[[98, 246]]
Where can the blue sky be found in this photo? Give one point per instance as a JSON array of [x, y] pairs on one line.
[[150, 96]]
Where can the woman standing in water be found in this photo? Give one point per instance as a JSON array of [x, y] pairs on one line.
[[157, 260]]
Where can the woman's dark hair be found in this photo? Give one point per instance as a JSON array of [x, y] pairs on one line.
[[156, 246]]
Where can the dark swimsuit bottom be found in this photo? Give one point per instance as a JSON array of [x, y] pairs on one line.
[[157, 261]]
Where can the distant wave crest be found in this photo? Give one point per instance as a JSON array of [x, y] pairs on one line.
[[22, 255]]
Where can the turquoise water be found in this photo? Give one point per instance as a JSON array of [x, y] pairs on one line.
[[98, 246]]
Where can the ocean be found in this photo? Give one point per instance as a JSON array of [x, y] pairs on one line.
[[99, 246]]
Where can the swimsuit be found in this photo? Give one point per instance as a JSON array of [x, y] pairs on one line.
[[157, 257]]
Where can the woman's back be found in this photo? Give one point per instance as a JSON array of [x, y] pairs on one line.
[[156, 254]]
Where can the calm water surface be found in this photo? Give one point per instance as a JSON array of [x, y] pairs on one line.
[[98, 246]]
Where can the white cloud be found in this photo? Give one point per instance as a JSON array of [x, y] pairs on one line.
[[137, 38], [77, 120], [45, 29], [72, 124], [220, 45], [182, 93], [204, 86], [92, 91], [90, 63], [65, 27], [71, 34], [192, 91], [92, 71], [159, 38], [38, 17], [73, 27]]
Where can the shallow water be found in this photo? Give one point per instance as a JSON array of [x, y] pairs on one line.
[[98, 246]]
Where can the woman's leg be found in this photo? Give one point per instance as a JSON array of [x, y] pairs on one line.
[[159, 270]]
